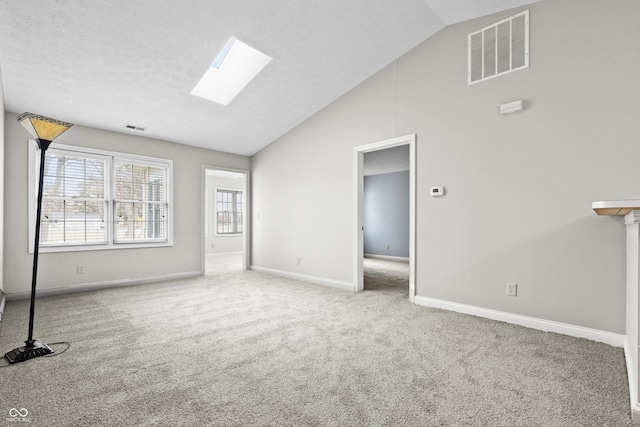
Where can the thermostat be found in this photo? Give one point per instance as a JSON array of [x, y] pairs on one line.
[[436, 191]]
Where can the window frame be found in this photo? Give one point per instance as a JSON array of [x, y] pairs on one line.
[[215, 203], [146, 161], [112, 156]]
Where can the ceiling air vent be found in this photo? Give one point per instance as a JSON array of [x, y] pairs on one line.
[[132, 127], [499, 48]]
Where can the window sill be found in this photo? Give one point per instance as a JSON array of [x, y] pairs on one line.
[[100, 247]]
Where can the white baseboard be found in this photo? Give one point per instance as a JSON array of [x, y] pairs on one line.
[[388, 258], [104, 285], [610, 338], [215, 254], [305, 278]]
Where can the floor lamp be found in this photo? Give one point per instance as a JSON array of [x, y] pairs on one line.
[[44, 130]]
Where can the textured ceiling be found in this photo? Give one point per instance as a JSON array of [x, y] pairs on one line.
[[111, 63]]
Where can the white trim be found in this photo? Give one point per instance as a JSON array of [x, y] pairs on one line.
[[3, 299], [358, 209], [246, 223], [358, 219], [610, 338], [389, 258], [83, 287], [305, 278], [631, 347], [99, 246], [633, 386], [221, 254]]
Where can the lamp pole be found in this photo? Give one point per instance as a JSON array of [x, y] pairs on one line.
[[43, 144], [44, 130]]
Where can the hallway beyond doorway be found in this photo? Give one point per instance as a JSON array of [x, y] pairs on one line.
[[388, 276], [222, 263]]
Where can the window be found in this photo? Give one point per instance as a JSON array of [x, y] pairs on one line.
[[74, 199], [94, 199], [140, 202], [229, 208]]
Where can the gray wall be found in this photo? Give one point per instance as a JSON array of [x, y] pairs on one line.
[[386, 214], [519, 187], [58, 270], [220, 244]]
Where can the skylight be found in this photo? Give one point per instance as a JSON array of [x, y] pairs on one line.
[[230, 72]]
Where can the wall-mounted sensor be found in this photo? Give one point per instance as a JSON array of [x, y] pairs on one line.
[[436, 191], [511, 107]]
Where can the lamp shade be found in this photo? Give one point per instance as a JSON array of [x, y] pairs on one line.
[[41, 127]]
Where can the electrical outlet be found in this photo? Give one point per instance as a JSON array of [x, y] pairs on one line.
[[80, 269], [388, 247], [298, 261], [512, 289]]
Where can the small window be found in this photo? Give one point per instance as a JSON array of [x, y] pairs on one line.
[[229, 212], [94, 199], [499, 48]]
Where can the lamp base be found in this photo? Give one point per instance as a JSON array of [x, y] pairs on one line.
[[31, 350]]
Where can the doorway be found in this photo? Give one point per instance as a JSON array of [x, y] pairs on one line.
[[225, 225], [359, 157]]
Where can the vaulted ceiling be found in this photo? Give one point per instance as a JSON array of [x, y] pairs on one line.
[[108, 64]]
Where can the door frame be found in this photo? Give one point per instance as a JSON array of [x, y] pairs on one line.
[[246, 222], [358, 199]]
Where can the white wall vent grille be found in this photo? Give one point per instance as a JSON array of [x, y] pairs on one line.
[[499, 48]]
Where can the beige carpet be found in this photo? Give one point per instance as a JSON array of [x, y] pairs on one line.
[[239, 348]]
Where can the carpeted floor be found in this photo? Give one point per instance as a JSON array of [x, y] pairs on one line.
[[240, 348], [216, 264], [390, 277]]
